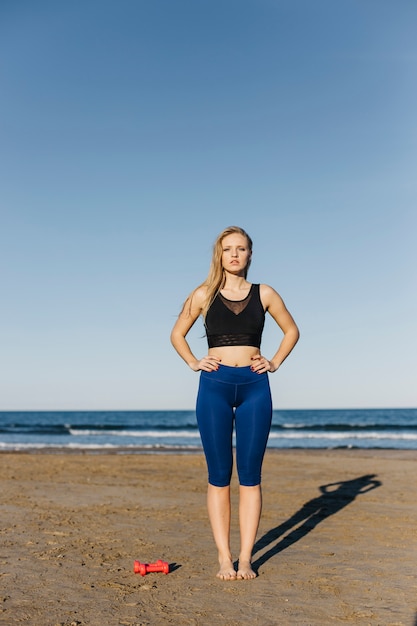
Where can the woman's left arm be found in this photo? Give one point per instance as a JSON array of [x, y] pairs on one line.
[[274, 304]]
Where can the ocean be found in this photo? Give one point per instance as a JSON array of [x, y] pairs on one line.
[[161, 431]]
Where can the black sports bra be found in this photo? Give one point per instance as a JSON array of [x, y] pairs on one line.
[[235, 322]]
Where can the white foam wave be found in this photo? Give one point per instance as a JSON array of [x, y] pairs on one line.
[[147, 434], [91, 446], [346, 435]]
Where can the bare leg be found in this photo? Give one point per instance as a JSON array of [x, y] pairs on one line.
[[218, 504], [250, 507]]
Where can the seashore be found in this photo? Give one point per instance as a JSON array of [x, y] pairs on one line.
[[336, 543]]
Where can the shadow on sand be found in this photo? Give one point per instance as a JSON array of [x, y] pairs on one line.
[[335, 496]]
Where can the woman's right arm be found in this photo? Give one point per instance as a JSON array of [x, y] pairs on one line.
[[190, 312]]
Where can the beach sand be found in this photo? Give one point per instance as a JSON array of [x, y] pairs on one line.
[[336, 544]]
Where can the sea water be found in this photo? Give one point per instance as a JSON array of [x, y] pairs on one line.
[[155, 431]]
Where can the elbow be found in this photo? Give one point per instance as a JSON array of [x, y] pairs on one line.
[[294, 333], [297, 334], [175, 338]]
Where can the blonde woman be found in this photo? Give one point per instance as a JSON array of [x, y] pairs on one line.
[[234, 387]]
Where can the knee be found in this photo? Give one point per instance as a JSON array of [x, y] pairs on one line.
[[249, 472], [249, 479], [220, 479]]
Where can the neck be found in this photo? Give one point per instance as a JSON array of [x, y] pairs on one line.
[[235, 282]]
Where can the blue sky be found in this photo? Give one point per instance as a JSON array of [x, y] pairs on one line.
[[132, 132]]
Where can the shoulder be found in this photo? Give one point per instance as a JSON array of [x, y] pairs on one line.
[[199, 294], [194, 303], [197, 299], [267, 291], [269, 296]]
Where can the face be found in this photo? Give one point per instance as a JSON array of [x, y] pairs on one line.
[[236, 253]]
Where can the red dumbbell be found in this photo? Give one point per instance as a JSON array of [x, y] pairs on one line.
[[144, 568]]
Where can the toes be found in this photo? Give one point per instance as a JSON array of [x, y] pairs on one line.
[[227, 571], [246, 575], [227, 575], [246, 572]]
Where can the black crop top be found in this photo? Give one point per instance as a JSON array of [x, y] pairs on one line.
[[235, 322]]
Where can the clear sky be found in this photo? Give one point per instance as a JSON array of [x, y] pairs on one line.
[[133, 131]]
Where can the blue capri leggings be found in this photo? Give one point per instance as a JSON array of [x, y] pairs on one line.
[[234, 395]]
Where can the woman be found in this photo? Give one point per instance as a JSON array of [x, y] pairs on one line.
[[234, 387]]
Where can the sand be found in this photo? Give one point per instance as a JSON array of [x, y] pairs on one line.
[[336, 545]]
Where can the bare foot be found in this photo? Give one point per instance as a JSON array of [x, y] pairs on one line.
[[245, 571], [226, 571]]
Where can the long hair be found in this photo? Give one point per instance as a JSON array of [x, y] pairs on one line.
[[216, 276]]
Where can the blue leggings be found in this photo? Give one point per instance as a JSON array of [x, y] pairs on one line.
[[234, 395]]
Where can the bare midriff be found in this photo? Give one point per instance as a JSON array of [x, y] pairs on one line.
[[235, 356]]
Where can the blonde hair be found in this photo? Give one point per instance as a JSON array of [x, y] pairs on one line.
[[216, 276]]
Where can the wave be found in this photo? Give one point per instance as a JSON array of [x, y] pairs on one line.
[[187, 429], [65, 429], [35, 429], [183, 434], [346, 435], [91, 446], [342, 426], [156, 434], [304, 435]]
